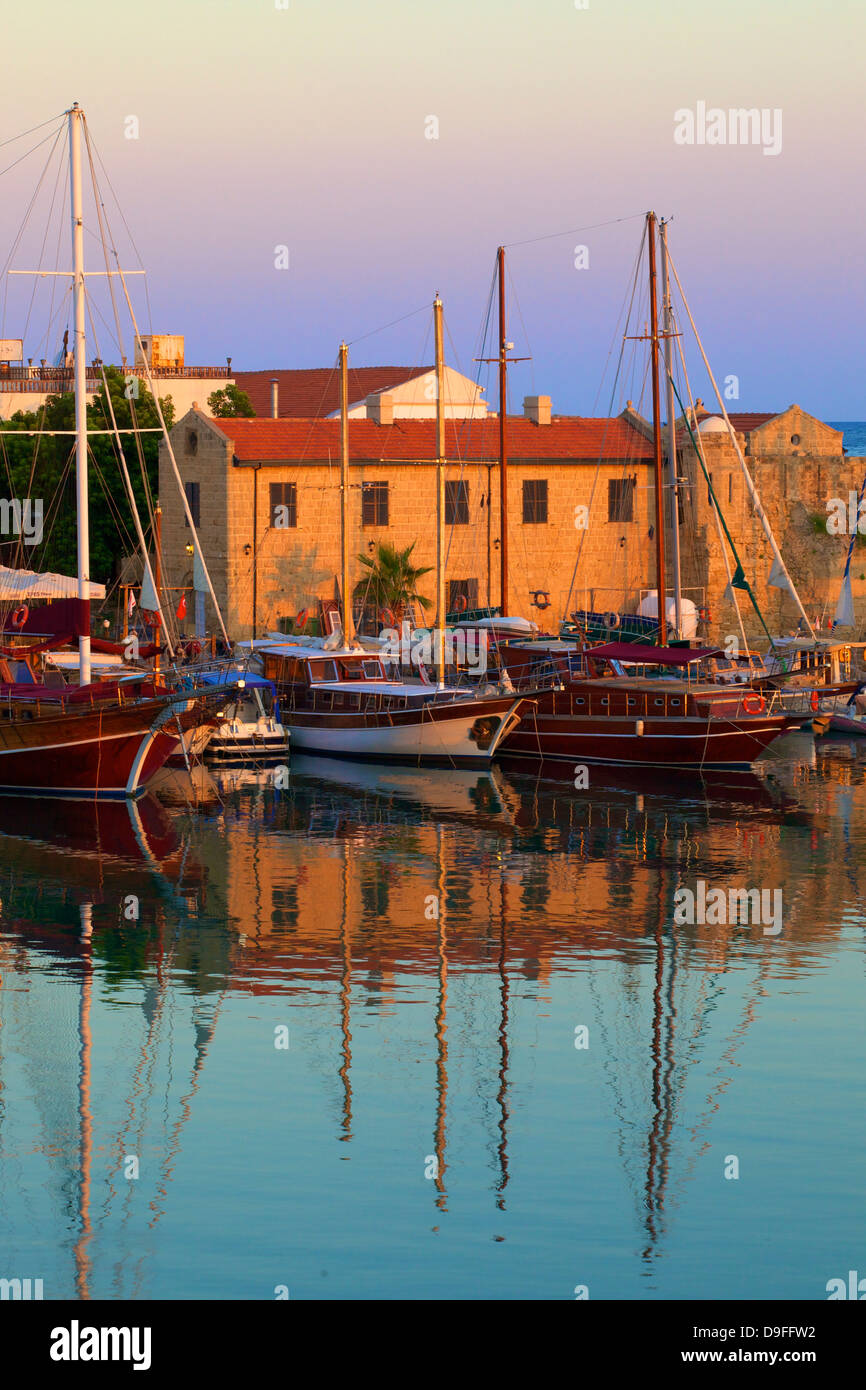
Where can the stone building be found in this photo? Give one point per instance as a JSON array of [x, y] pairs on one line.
[[266, 498], [576, 486], [798, 466]]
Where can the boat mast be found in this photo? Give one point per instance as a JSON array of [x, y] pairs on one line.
[[657, 436], [348, 624], [503, 450], [673, 490], [76, 117], [440, 492]]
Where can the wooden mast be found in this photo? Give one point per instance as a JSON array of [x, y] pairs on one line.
[[440, 493], [348, 624], [503, 444], [657, 436], [673, 486]]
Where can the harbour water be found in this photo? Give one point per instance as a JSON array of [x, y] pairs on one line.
[[393, 1033]]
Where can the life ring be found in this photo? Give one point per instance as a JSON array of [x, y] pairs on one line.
[[813, 701], [20, 616], [611, 619], [461, 603], [386, 617], [542, 599], [754, 704], [301, 618]]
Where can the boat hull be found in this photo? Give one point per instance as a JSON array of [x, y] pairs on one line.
[[464, 733], [110, 752], [687, 742]]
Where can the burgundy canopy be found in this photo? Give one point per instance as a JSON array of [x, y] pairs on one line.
[[653, 656]]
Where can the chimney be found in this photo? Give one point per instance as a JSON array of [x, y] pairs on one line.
[[380, 408], [275, 398], [537, 409]]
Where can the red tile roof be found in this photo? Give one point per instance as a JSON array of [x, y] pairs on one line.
[[305, 393], [567, 437], [743, 422]]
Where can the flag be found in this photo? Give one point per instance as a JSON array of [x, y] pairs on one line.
[[777, 577], [181, 608], [131, 605], [844, 615]]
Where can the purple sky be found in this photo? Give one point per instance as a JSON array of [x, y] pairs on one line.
[[307, 127]]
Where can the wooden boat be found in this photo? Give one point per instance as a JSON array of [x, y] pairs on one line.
[[638, 721], [96, 741], [342, 703]]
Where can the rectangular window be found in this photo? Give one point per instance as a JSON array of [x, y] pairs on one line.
[[456, 503], [462, 595], [193, 497], [535, 502], [374, 504], [620, 499], [283, 505]]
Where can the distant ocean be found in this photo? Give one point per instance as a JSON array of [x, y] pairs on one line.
[[855, 435]]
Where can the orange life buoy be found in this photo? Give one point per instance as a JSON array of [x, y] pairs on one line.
[[814, 700], [301, 618], [461, 603], [20, 616], [386, 617], [754, 704]]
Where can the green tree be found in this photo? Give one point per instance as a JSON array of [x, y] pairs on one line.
[[42, 467], [392, 581], [229, 402]]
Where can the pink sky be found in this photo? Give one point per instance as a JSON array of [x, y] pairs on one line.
[[305, 127]]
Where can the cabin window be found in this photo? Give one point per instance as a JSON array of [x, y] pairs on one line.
[[462, 596], [604, 700], [374, 504], [193, 497], [620, 499], [456, 503], [535, 502], [324, 671], [283, 505], [631, 701], [675, 702], [658, 702], [580, 700], [371, 670]]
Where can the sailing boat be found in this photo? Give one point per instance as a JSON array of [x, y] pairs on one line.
[[341, 702], [102, 739], [621, 719]]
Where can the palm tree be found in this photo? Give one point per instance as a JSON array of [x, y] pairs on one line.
[[392, 581]]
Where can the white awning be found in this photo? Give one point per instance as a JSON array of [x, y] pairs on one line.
[[24, 586]]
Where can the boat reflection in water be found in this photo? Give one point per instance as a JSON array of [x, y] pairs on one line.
[[432, 946]]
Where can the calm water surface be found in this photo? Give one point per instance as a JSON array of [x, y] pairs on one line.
[[431, 1129]]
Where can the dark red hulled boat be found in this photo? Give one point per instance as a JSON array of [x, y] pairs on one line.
[[636, 721], [87, 742]]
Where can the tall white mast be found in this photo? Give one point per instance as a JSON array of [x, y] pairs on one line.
[[76, 116], [673, 490]]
